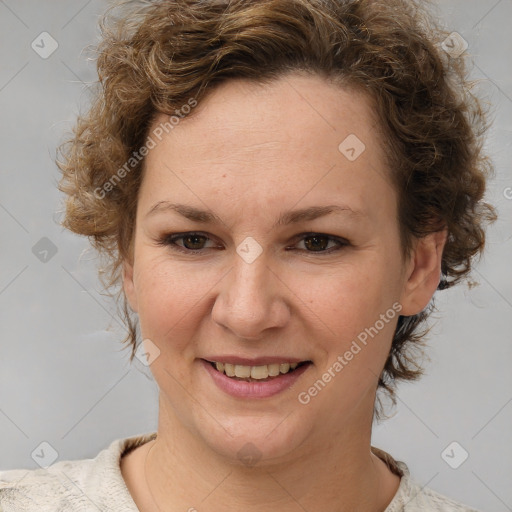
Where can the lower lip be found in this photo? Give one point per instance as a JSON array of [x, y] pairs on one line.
[[244, 389]]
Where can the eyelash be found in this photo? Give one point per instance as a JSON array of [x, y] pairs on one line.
[[169, 241]]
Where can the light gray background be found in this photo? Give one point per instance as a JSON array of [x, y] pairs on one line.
[[64, 376]]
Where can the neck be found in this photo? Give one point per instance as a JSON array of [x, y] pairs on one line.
[[183, 473]]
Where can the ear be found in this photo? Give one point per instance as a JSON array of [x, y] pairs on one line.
[[128, 285], [423, 272]]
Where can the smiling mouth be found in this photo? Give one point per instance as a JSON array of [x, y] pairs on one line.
[[261, 373]]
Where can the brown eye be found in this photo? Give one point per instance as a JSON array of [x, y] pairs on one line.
[[193, 243], [319, 243], [316, 243]]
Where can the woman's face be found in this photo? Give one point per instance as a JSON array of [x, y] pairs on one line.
[[260, 285]]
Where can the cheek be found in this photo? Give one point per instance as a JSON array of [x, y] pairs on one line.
[[334, 304], [169, 298], [352, 317], [353, 322], [347, 298]]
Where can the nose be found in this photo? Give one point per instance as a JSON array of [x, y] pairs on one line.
[[251, 300]]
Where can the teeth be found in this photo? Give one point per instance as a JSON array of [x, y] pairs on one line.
[[229, 369], [255, 372], [242, 372], [259, 372], [273, 370]]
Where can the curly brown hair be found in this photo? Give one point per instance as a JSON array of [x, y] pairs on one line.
[[155, 56]]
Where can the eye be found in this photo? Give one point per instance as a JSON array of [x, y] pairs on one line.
[[319, 242], [192, 242]]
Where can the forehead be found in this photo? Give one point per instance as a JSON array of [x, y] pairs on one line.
[[298, 108], [296, 136]]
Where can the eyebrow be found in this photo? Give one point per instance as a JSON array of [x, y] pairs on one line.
[[289, 217]]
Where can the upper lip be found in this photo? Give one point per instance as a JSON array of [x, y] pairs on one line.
[[256, 361]]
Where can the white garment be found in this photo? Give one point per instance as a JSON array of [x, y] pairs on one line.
[[97, 485]]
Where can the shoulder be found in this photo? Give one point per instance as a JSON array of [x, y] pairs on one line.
[[87, 484], [43, 489], [413, 497], [428, 499]]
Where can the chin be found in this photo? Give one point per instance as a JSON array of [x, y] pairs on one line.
[[255, 441]]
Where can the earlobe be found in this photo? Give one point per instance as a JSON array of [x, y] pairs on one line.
[[128, 285], [423, 273]]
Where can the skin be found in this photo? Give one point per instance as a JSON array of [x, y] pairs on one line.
[[248, 153]]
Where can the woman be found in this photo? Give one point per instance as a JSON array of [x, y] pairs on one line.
[[280, 186]]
